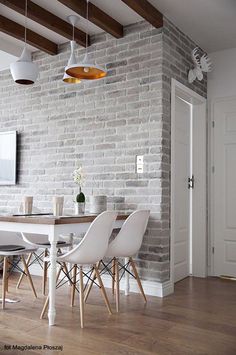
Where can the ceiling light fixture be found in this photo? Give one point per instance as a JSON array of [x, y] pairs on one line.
[[24, 71], [73, 19], [87, 70]]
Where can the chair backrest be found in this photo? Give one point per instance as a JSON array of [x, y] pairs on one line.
[[12, 238], [94, 244], [34, 239], [128, 241]]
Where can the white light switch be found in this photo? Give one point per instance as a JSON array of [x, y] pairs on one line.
[[139, 159], [139, 164]]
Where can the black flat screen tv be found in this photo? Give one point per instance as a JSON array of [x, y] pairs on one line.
[[8, 144]]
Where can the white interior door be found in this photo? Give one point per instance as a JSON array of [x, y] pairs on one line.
[[224, 211], [181, 151]]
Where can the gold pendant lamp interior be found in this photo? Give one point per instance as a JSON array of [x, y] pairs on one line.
[[69, 80]]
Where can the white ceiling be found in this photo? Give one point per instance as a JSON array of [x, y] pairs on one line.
[[211, 23]]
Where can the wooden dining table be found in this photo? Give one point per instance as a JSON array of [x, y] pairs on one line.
[[53, 227]]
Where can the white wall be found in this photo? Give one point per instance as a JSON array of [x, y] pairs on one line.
[[222, 80]]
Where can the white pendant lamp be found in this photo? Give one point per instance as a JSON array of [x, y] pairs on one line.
[[24, 71], [73, 19], [87, 70]]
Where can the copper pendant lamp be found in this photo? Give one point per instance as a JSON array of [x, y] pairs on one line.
[[87, 69], [73, 19]]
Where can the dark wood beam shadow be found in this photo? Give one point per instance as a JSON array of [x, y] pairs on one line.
[[147, 11], [46, 19], [17, 31], [96, 16]]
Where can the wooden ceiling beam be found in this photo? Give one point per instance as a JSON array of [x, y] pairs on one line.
[[46, 19], [147, 11], [96, 16], [17, 31]]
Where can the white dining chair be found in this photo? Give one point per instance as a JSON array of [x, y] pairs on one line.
[[11, 246], [40, 242], [88, 252], [125, 245]]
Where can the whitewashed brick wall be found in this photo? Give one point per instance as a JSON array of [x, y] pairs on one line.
[[103, 125]]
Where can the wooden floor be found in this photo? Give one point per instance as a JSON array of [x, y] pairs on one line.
[[200, 318]]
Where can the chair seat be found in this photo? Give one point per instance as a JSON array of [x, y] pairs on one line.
[[11, 247], [60, 242]]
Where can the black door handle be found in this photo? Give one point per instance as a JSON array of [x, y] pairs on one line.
[[191, 182]]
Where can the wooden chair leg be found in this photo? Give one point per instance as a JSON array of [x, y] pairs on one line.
[[137, 278], [7, 275], [81, 294], [45, 272], [22, 275], [113, 276], [104, 294], [90, 285], [28, 274], [67, 272], [4, 278], [45, 306], [74, 273], [117, 281]]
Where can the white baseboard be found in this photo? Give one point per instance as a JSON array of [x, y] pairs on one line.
[[151, 288]]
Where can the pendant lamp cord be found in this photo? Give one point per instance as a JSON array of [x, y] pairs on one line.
[[26, 7], [87, 16]]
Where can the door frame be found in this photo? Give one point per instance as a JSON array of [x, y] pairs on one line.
[[200, 170]]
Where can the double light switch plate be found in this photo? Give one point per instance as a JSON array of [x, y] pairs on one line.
[[139, 164]]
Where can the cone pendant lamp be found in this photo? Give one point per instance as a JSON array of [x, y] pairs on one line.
[[87, 69], [70, 80], [73, 19], [24, 71]]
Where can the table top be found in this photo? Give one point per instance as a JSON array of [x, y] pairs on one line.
[[52, 220]]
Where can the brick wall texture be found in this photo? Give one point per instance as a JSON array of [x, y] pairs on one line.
[[102, 125]]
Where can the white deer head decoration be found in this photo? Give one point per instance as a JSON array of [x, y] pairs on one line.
[[201, 64]]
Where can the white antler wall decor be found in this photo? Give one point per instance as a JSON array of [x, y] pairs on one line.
[[201, 64]]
